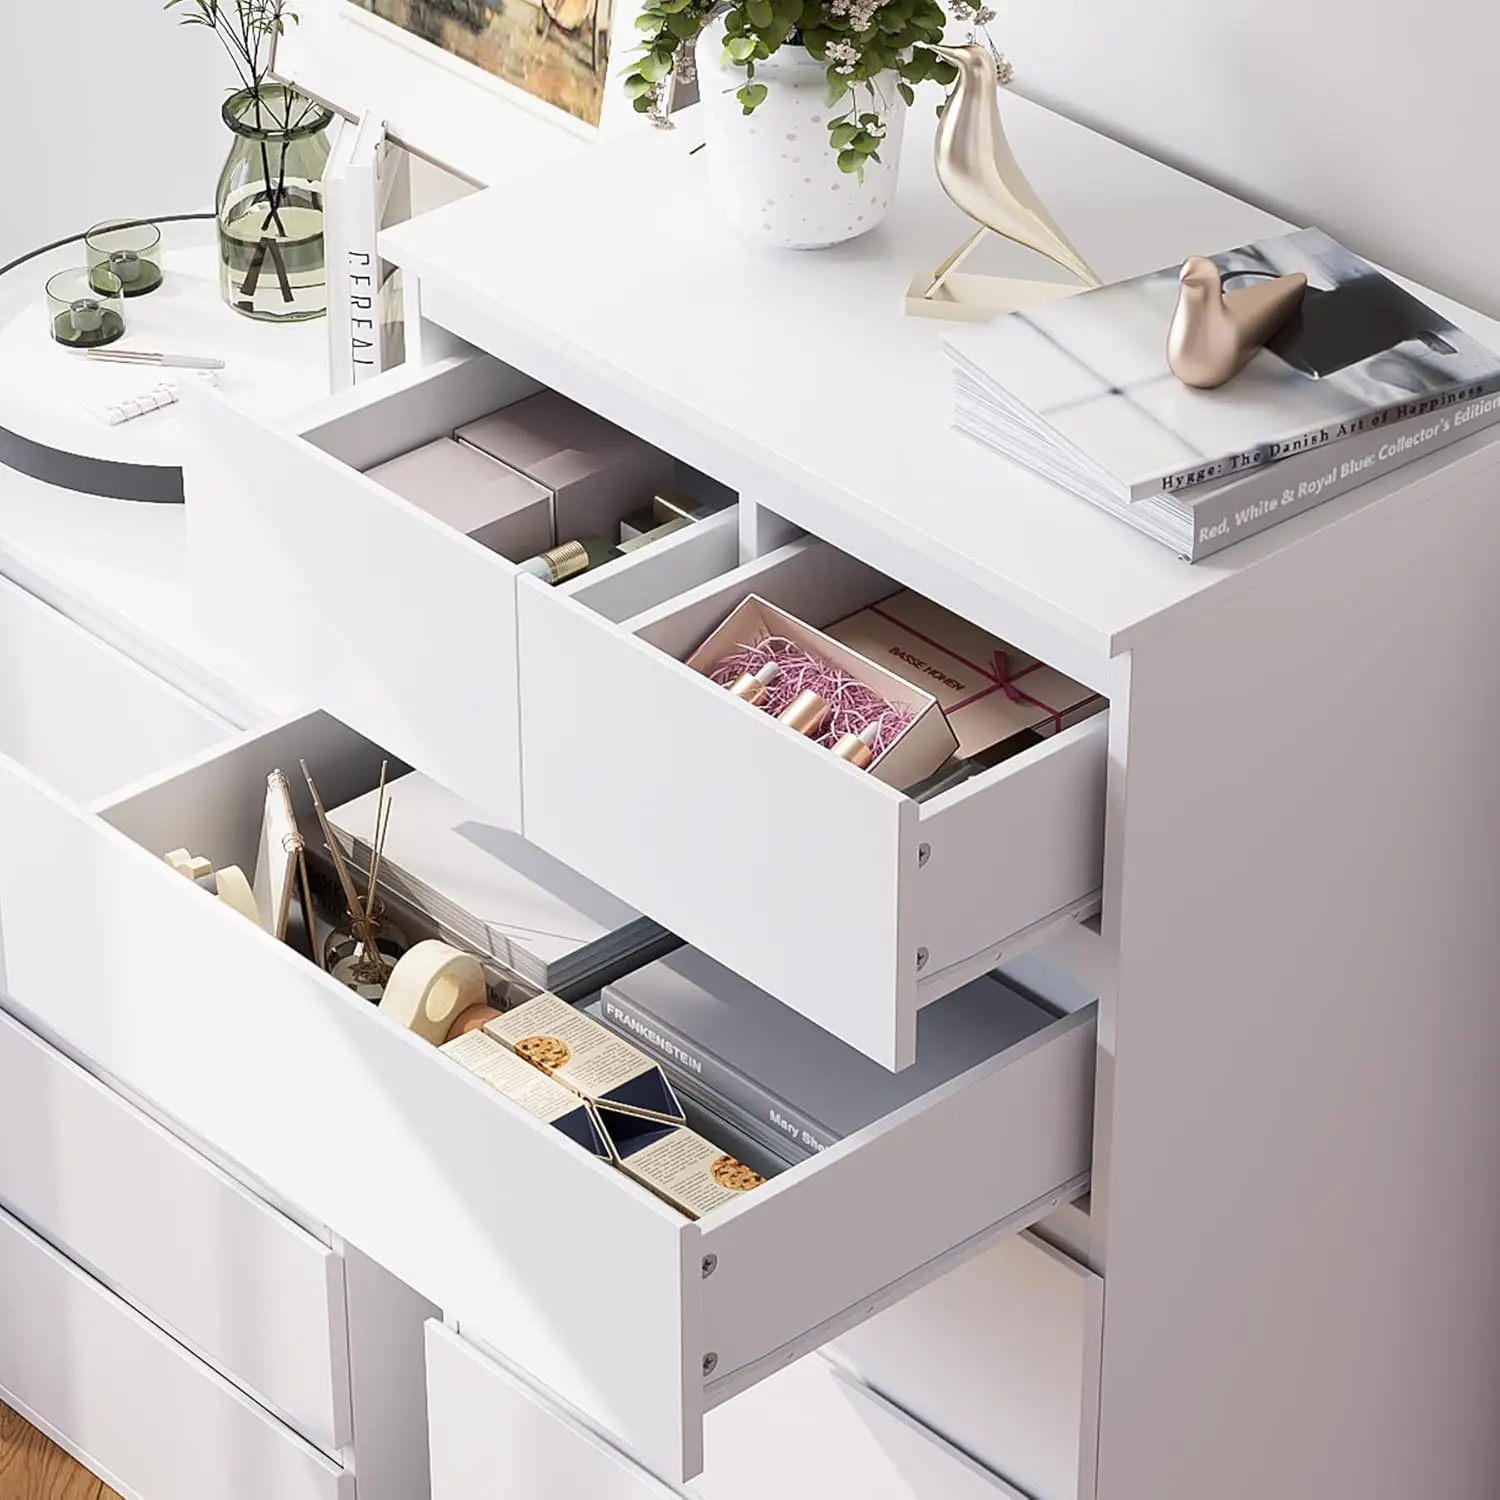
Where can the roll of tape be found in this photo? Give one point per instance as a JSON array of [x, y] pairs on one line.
[[234, 890], [431, 985]]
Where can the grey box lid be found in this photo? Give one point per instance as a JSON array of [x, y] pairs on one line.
[[498, 506]]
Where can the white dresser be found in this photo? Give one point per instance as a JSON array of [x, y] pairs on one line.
[[1273, 862]]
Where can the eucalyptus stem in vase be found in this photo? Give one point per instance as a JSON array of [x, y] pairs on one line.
[[269, 203]]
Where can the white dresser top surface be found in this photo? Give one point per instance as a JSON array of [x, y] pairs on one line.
[[613, 279]]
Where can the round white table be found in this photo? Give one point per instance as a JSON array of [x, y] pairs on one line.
[[52, 398]]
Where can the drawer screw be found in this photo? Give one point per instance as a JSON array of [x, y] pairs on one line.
[[710, 1265], [710, 1363], [921, 958], [924, 853]]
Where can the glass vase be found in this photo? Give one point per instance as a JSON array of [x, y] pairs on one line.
[[270, 206]]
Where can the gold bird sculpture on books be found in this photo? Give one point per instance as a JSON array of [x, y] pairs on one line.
[[1214, 333], [979, 172]]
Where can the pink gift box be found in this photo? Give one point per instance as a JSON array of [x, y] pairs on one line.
[[986, 688]]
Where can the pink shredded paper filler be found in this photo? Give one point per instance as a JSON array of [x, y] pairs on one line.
[[851, 704]]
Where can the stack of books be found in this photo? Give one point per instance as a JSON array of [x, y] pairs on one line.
[[1363, 379], [782, 1081], [488, 890]]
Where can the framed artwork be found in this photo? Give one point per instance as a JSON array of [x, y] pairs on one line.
[[556, 51], [490, 92]]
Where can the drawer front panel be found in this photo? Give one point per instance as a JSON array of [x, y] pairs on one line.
[[880, 905], [130, 1401], [355, 599], [258, 1296], [730, 836], [491, 1434], [77, 713], [810, 1433]]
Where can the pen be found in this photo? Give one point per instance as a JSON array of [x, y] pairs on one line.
[[140, 357]]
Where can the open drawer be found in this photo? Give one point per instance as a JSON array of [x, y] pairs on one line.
[[845, 899], [639, 1318], [362, 603]]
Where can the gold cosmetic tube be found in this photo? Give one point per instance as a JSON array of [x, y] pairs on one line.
[[753, 686], [805, 714], [859, 749]]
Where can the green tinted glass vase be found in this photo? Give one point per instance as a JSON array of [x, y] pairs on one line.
[[270, 206]]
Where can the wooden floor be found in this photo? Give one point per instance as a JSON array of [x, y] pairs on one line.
[[31, 1468]]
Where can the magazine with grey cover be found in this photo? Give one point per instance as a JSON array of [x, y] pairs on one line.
[[1087, 375]]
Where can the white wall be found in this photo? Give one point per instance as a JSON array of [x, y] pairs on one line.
[[1370, 118], [112, 114], [137, 131]]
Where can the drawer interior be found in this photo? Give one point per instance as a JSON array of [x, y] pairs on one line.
[[931, 886], [1015, 1130], [399, 413]]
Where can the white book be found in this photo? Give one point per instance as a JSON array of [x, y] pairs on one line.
[[363, 205], [336, 252]]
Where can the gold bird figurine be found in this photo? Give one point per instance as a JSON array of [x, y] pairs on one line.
[[979, 172], [1214, 333]]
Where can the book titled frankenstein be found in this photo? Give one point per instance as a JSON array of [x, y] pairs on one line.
[[1084, 380]]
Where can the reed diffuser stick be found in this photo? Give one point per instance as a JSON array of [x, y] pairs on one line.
[[346, 880], [382, 820]]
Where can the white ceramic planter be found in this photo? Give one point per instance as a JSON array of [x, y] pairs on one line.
[[772, 173]]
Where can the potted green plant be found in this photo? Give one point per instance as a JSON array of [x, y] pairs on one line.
[[269, 201], [804, 102]]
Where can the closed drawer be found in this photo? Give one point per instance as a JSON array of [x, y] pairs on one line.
[[360, 602], [140, 1410], [881, 904], [254, 1294], [642, 1320], [810, 1433], [79, 714], [1002, 1357]]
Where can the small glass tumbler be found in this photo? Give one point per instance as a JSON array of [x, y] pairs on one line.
[[86, 309], [131, 249]]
